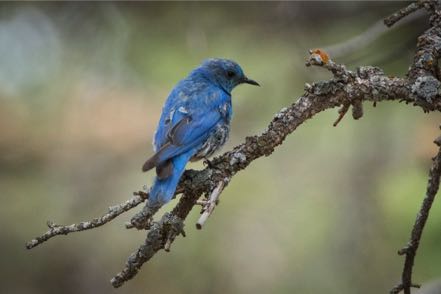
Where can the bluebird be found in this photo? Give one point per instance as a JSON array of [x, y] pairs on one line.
[[194, 124]]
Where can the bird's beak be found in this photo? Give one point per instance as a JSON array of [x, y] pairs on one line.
[[250, 81]]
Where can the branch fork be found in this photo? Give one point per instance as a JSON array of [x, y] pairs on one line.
[[319, 57]]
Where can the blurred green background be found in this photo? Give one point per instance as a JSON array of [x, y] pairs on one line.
[[81, 89]]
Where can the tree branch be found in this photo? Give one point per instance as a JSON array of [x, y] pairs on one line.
[[405, 11], [367, 37], [412, 246], [114, 211], [347, 88]]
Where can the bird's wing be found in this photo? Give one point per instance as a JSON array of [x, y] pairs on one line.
[[189, 131]]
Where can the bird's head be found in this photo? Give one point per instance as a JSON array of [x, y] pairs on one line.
[[225, 73]]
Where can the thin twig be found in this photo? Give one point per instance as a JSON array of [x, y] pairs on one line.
[[114, 211], [341, 113], [361, 41], [414, 6], [210, 205], [411, 248]]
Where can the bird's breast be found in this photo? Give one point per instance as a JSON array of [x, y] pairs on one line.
[[214, 142]]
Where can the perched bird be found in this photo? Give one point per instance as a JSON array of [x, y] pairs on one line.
[[195, 123]]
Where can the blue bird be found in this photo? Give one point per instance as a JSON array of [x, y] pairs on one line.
[[194, 124]]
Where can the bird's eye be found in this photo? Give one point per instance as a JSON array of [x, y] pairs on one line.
[[231, 73]]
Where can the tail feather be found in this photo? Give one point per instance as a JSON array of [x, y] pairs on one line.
[[164, 189], [150, 163], [156, 158], [169, 151], [164, 170]]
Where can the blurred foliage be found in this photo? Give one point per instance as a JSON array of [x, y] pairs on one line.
[[81, 89]]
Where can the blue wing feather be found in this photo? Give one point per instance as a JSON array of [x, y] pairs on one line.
[[188, 117], [188, 135]]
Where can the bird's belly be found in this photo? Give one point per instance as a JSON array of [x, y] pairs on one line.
[[215, 141]]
